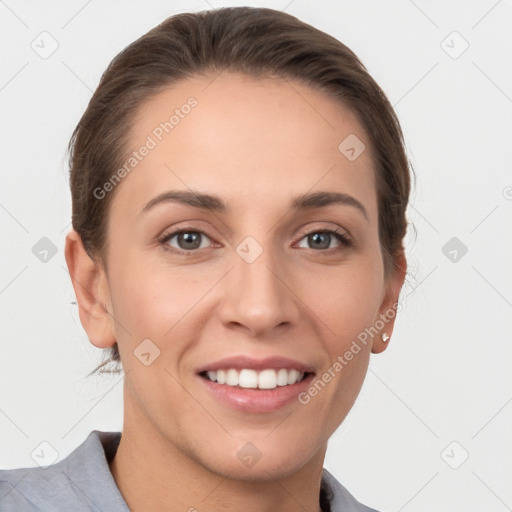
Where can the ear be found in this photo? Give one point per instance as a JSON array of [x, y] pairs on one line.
[[92, 292], [388, 308]]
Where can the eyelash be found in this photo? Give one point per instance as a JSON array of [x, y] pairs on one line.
[[345, 242]]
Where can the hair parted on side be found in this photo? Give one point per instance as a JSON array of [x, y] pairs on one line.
[[255, 41]]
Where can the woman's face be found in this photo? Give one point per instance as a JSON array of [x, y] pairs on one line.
[[251, 275]]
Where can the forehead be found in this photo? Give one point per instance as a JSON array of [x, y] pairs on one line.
[[242, 137]]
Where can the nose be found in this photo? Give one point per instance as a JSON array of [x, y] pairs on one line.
[[259, 295]]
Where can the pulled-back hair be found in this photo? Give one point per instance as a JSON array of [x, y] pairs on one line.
[[255, 41]]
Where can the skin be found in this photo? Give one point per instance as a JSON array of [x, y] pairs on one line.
[[256, 144]]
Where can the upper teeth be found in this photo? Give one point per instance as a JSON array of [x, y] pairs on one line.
[[247, 378]]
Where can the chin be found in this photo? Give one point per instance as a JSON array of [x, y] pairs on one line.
[[257, 462]]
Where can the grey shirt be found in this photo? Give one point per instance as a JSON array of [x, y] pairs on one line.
[[83, 482]]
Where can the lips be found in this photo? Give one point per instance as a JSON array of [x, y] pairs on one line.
[[243, 388], [255, 401], [246, 362]]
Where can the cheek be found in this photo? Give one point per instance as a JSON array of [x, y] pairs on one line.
[[141, 299], [346, 299], [152, 300], [347, 303]]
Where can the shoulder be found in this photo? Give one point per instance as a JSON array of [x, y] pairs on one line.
[[338, 497], [32, 488], [70, 484]]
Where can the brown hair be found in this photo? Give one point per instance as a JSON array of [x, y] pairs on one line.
[[254, 41]]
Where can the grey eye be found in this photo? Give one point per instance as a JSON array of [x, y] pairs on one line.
[[322, 239], [187, 240]]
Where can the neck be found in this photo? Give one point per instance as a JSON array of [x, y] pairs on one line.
[[170, 480]]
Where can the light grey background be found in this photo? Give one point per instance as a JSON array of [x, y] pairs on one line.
[[441, 392]]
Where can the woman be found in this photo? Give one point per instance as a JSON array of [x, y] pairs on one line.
[[239, 187]]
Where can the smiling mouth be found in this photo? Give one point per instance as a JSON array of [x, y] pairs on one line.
[[251, 379]]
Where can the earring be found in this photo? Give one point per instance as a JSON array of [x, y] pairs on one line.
[[385, 337]]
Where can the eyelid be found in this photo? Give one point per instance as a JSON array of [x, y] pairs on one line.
[[332, 228]]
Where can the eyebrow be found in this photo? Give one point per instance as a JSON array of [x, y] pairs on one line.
[[215, 204]]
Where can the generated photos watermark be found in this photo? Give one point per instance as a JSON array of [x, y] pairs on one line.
[[152, 140], [343, 360]]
